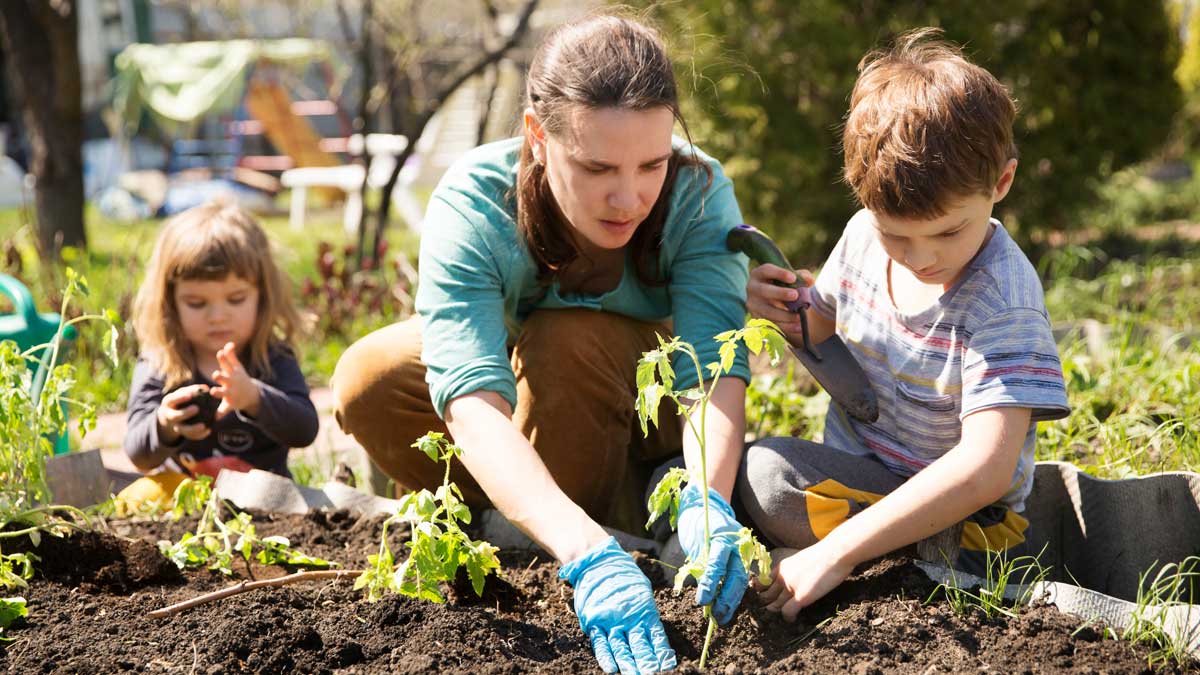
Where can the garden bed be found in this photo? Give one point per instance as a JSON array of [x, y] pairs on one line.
[[89, 603]]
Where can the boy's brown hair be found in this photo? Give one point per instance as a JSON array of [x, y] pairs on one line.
[[925, 127], [208, 243]]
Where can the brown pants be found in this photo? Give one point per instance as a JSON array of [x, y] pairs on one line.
[[575, 372]]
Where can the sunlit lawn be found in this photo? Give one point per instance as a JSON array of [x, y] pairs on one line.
[[114, 263]]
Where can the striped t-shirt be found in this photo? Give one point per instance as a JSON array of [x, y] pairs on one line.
[[986, 343]]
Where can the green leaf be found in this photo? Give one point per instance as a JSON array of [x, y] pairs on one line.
[[645, 370], [657, 362], [665, 496], [761, 332], [648, 400], [245, 546], [666, 373], [691, 569], [191, 495], [299, 559], [727, 351], [431, 593], [431, 444], [426, 503], [378, 577], [111, 348], [462, 513], [481, 561], [222, 562], [11, 609], [753, 552], [363, 579], [436, 447]]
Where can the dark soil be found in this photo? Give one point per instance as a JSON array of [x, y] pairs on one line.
[[88, 613]]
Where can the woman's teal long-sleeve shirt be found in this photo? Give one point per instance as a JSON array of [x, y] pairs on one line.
[[478, 281]]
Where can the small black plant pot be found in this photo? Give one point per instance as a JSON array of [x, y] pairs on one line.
[[208, 405]]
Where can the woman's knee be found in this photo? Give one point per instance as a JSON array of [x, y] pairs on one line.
[[372, 372], [584, 341]]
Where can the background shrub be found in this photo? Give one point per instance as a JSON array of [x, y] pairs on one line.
[[770, 80]]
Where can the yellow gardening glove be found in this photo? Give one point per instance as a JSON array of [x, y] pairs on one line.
[[148, 494]]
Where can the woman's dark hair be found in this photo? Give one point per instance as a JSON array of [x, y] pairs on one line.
[[602, 61]]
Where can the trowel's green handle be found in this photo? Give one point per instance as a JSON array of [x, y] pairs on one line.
[[759, 247]]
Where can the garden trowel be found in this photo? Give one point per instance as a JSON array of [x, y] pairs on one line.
[[830, 362]]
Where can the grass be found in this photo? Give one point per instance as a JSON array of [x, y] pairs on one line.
[[315, 469], [114, 264], [1134, 390], [782, 402], [1020, 574], [1172, 588]]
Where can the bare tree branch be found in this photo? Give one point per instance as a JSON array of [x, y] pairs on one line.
[[492, 56], [244, 586], [434, 103]]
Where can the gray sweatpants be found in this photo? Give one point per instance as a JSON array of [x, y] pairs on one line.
[[795, 492]]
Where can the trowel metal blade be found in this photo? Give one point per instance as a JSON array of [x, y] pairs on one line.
[[839, 373]]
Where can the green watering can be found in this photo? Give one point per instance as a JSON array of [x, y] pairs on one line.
[[28, 329]]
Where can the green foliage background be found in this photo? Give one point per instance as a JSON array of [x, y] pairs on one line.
[[769, 82]]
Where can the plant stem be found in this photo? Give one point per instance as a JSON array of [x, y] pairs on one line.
[[45, 509], [52, 507], [383, 545], [243, 586], [708, 635], [28, 353], [35, 528], [54, 347], [702, 438]]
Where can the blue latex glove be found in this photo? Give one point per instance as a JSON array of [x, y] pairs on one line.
[[724, 580], [616, 611]]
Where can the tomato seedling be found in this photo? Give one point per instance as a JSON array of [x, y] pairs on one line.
[[213, 541], [30, 416], [656, 380], [438, 546]]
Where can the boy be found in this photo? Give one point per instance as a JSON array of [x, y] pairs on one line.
[[946, 316]]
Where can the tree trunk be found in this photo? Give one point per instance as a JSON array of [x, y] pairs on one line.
[[41, 38]]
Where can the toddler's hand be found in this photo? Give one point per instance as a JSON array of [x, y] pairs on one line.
[[765, 300], [237, 390], [175, 409]]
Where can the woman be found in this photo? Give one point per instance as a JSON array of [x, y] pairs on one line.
[[551, 262]]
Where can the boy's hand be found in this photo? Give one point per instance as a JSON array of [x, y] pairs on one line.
[[237, 390], [765, 300], [802, 578], [176, 407]]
